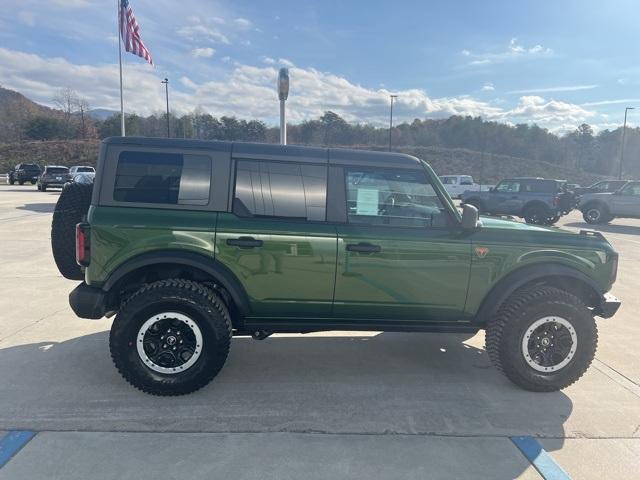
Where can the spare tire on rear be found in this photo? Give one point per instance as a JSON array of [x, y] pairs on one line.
[[71, 209]]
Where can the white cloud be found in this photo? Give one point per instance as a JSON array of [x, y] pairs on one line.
[[242, 23], [202, 32], [248, 91], [268, 60], [628, 101], [72, 3], [26, 17], [513, 51], [285, 63], [567, 88], [205, 52], [488, 87]]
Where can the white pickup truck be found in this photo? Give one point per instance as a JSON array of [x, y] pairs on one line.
[[456, 185]]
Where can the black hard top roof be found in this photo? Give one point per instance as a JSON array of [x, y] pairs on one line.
[[282, 152]]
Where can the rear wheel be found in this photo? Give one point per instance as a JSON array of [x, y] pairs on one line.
[[596, 214], [542, 338], [172, 337], [11, 181], [537, 215]]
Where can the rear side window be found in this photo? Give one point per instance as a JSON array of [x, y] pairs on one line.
[[164, 178], [508, 186], [393, 198], [278, 189]]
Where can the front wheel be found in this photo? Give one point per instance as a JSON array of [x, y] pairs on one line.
[[11, 181], [536, 215], [596, 215], [171, 337], [542, 338]]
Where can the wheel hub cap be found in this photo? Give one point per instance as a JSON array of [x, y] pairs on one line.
[[549, 344], [169, 342]]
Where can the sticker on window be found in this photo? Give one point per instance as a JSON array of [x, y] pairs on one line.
[[367, 201]]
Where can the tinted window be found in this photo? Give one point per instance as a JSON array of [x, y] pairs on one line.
[[448, 180], [394, 198], [85, 169], [631, 189], [466, 181], [57, 170], [275, 189], [168, 178], [508, 186]]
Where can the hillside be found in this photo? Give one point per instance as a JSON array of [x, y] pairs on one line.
[[488, 168], [15, 110]]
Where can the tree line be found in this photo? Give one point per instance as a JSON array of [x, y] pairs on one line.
[[580, 149]]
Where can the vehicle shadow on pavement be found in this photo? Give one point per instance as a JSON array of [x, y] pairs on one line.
[[38, 207], [608, 228], [389, 383]]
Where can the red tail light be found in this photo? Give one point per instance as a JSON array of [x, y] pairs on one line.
[[83, 253]]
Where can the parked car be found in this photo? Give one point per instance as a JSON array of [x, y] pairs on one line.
[[81, 169], [600, 208], [601, 187], [455, 185], [53, 176], [84, 178], [537, 200], [190, 242], [24, 172]]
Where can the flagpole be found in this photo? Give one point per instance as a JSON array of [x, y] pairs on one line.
[[122, 132]]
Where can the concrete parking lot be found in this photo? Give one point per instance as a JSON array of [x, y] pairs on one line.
[[330, 405]]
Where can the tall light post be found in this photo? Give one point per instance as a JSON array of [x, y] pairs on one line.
[[283, 93], [166, 91], [624, 132], [393, 97]]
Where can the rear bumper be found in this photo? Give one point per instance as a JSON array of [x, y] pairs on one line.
[[608, 307], [88, 302]]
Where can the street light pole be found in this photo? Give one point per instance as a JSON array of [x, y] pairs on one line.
[[393, 97], [166, 90], [283, 94], [624, 132]]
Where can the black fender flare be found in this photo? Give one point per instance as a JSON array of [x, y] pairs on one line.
[[511, 282], [593, 203], [217, 270], [536, 203]]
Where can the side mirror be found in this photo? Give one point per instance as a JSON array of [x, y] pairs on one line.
[[469, 217]]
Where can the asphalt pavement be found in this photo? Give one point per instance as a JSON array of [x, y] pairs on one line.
[[326, 405]]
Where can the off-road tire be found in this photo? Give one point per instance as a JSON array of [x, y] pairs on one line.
[[11, 181], [202, 305], [589, 214], [33, 182], [71, 209], [504, 334], [536, 215]]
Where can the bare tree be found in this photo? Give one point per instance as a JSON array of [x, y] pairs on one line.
[[82, 107], [67, 100]]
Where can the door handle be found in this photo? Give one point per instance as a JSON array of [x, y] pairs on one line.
[[244, 242], [363, 247]]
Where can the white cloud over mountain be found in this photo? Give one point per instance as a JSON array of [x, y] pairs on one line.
[[248, 91]]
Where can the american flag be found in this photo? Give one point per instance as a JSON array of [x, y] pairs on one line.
[[130, 32]]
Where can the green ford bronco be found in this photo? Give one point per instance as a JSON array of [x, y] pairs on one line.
[[189, 242]]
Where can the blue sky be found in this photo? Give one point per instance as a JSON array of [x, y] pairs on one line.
[[557, 64]]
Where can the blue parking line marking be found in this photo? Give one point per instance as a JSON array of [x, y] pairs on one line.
[[12, 443], [540, 459]]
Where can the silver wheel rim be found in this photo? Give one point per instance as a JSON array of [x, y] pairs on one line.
[[593, 214], [550, 321], [197, 351]]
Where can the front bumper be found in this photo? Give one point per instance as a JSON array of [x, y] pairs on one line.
[[88, 302], [608, 307]]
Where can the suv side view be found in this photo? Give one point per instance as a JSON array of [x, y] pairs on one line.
[[24, 172], [537, 200], [598, 208], [189, 243]]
